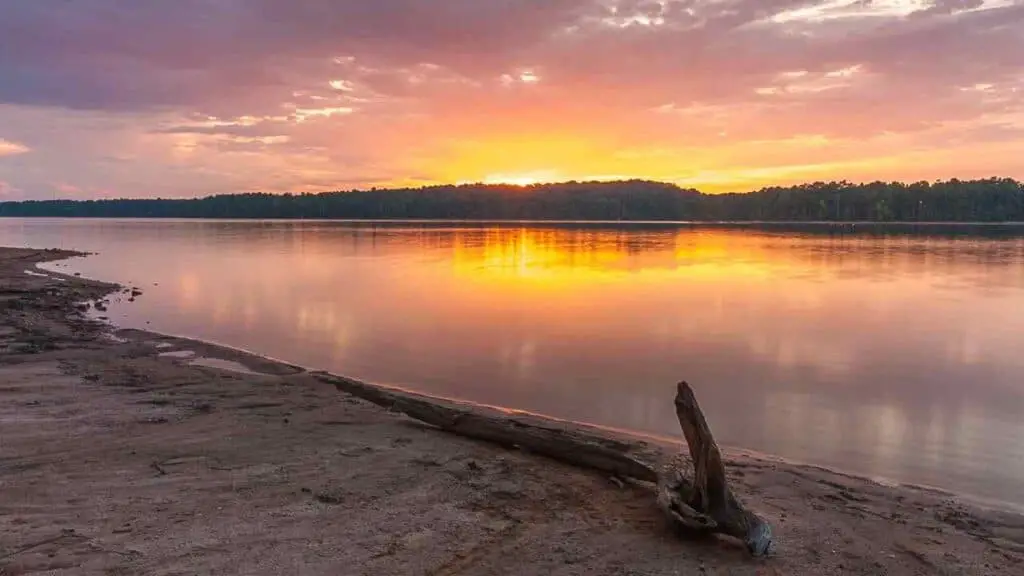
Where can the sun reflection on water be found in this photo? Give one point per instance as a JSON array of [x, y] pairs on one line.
[[573, 259]]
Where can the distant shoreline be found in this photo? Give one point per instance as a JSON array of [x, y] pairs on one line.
[[553, 221], [989, 200]]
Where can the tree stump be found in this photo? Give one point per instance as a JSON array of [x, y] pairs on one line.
[[705, 504]]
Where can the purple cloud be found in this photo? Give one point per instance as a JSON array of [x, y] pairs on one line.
[[120, 55], [225, 94]]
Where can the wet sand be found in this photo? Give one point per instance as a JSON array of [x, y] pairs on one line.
[[120, 453]]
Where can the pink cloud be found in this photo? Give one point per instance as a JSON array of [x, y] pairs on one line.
[[67, 189], [398, 90]]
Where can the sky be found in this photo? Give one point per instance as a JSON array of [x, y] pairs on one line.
[[146, 98]]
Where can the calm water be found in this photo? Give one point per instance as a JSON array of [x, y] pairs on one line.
[[897, 357]]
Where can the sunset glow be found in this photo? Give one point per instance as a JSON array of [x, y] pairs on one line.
[[515, 180], [315, 95]]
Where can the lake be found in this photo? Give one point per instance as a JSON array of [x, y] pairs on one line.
[[898, 356]]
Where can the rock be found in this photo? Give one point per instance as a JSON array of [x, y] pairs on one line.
[[326, 498]]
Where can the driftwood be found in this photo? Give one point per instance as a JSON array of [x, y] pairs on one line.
[[578, 445], [703, 504]]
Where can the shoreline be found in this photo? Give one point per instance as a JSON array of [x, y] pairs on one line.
[[730, 452], [416, 500]]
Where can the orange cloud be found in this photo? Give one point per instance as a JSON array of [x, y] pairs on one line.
[[318, 94], [8, 148]]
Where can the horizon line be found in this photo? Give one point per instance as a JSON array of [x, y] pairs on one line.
[[537, 185]]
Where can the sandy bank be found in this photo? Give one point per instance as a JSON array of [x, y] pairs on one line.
[[127, 456]]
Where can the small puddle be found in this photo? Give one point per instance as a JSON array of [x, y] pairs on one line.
[[223, 365], [42, 275], [177, 354]]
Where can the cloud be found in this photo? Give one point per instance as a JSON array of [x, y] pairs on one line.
[[951, 6], [8, 148], [219, 95], [214, 54], [66, 189], [121, 55]]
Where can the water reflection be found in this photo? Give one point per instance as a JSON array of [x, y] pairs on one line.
[[889, 355]]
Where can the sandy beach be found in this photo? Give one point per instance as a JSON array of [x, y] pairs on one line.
[[129, 452]]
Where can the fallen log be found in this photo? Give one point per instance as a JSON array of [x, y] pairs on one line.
[[575, 444], [703, 504]]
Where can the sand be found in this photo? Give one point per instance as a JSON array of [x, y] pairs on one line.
[[118, 459]]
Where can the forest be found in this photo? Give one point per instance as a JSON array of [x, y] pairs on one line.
[[986, 200]]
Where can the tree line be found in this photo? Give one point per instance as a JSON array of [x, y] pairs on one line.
[[988, 200]]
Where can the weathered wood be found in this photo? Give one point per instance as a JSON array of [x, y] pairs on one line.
[[704, 504], [575, 444]]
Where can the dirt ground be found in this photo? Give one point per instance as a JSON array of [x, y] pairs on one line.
[[137, 453]]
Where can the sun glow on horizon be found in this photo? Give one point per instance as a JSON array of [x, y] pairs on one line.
[[513, 179]]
